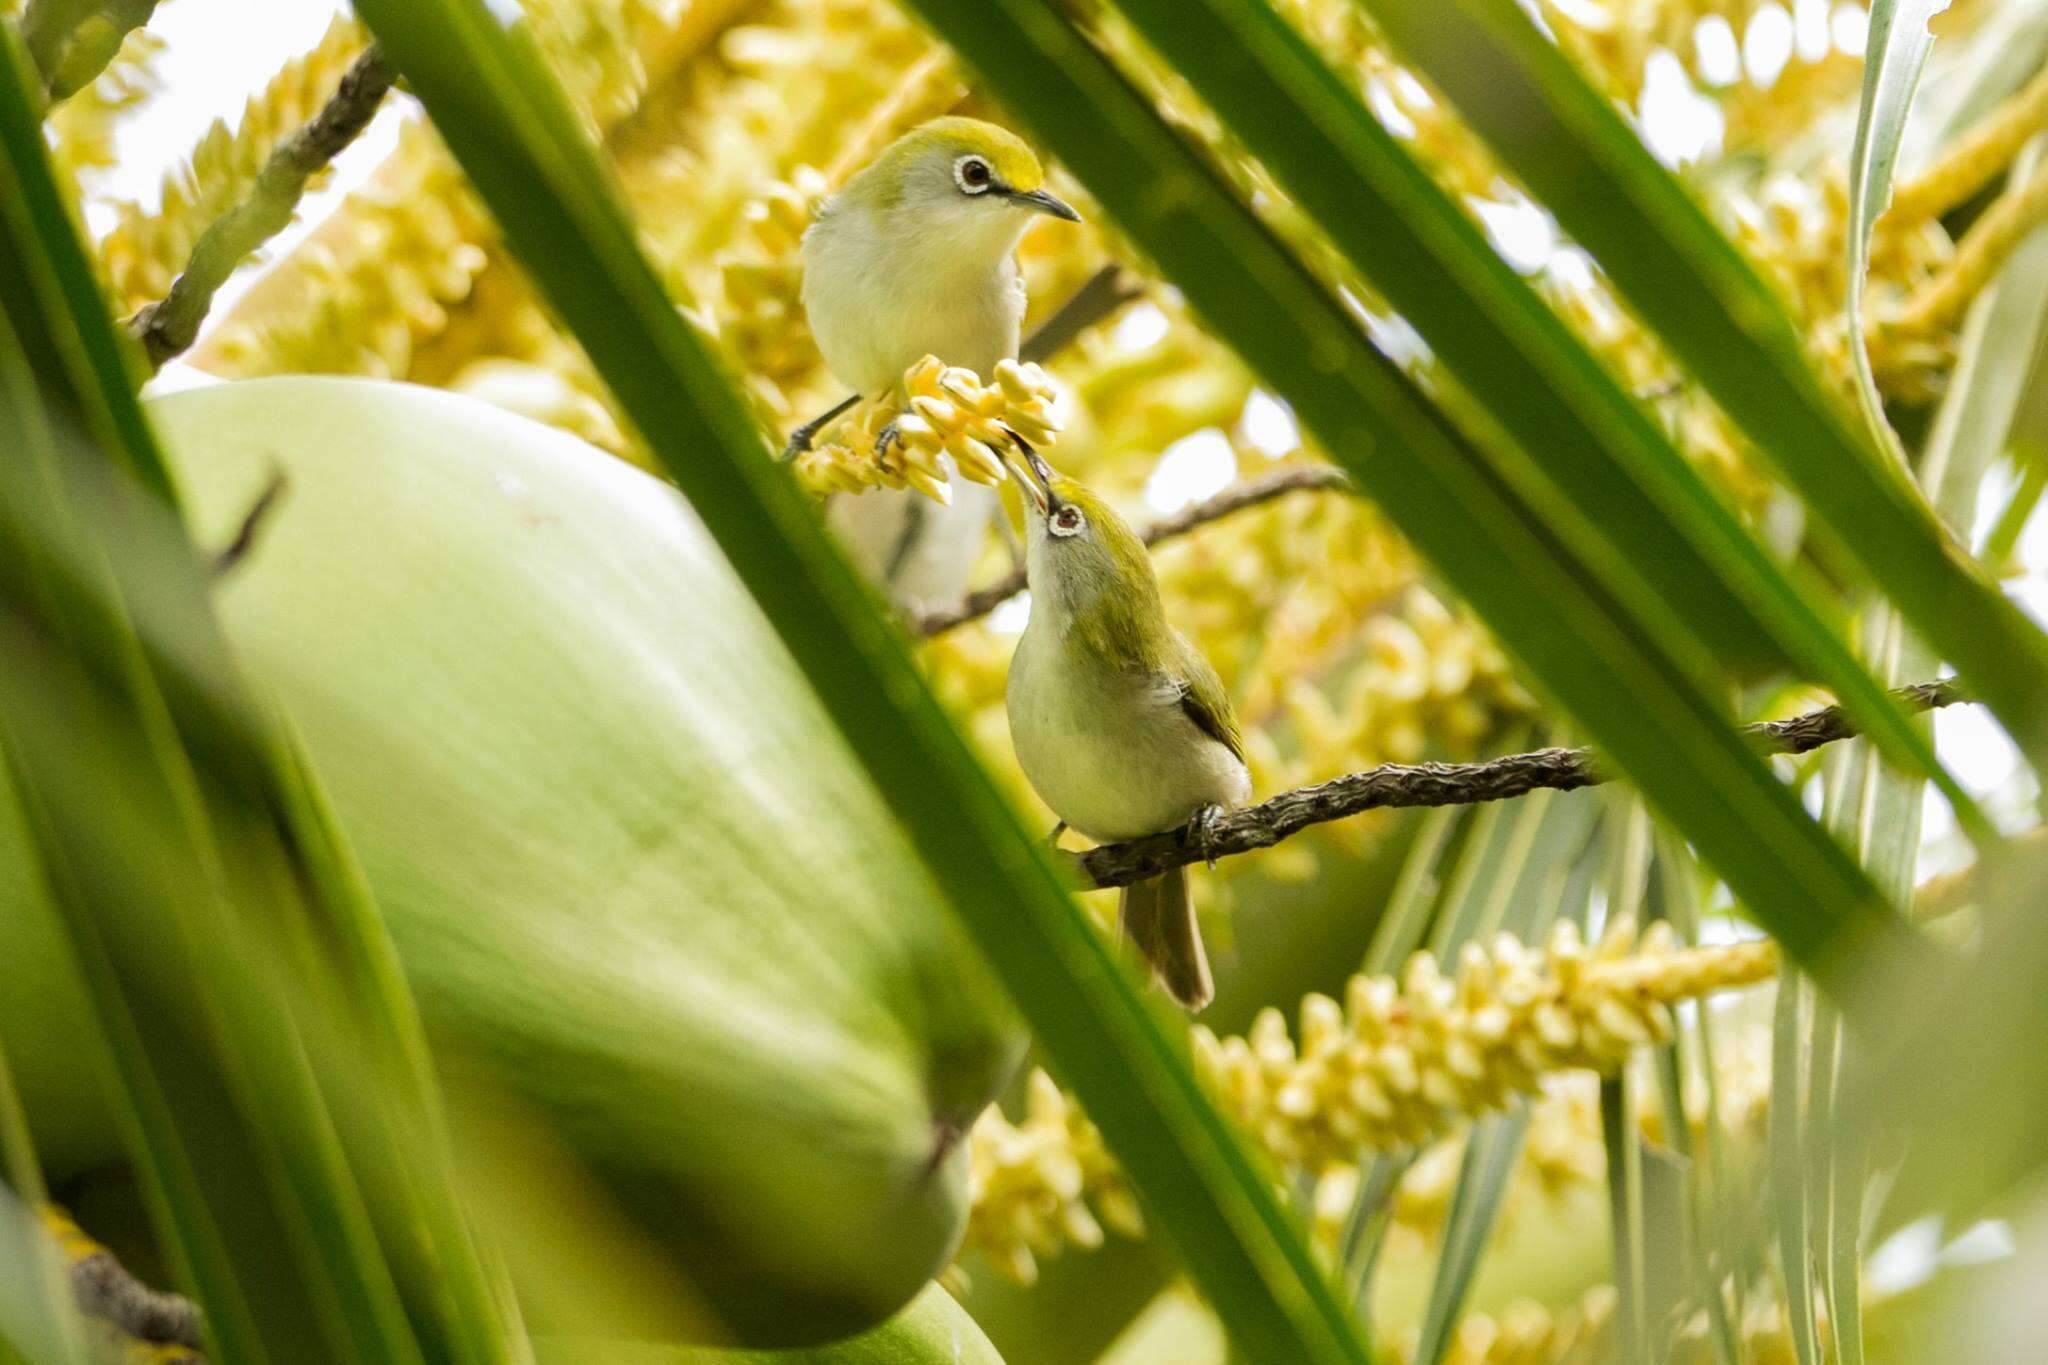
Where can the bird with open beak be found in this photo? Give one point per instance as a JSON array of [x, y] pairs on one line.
[[1121, 725]]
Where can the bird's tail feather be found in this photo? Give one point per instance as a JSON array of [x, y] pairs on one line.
[[1159, 916]]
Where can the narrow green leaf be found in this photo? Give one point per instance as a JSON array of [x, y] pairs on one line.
[[1491, 1149], [1366, 1225], [1644, 709], [507, 121], [1514, 875], [1619, 1134], [1789, 1195], [37, 1321], [1689, 283], [1894, 54], [1583, 451], [163, 846], [1676, 888], [37, 1317], [1998, 359], [1405, 917]]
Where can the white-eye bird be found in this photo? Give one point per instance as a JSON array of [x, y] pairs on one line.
[[1121, 725], [916, 256]]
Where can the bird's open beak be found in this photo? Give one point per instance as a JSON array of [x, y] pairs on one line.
[[1042, 202], [1034, 476]]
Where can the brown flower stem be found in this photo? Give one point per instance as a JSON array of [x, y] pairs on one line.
[[167, 327], [1236, 498], [1397, 785]]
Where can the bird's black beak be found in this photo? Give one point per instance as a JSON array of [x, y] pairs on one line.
[[1034, 476], [1042, 202]]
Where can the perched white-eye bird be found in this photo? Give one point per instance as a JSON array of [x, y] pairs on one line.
[[1121, 725], [916, 256]]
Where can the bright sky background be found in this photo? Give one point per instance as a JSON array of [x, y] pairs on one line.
[[219, 51]]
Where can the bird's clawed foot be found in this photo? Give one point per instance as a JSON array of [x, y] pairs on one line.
[[1057, 830], [1206, 832], [886, 437]]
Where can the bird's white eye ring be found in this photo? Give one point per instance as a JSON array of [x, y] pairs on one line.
[[972, 175], [1066, 520]]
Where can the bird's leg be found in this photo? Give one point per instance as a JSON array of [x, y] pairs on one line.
[[886, 437], [1203, 830], [800, 439], [236, 550], [1057, 830]]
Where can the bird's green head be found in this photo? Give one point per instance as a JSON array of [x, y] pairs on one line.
[[1086, 566], [958, 167]]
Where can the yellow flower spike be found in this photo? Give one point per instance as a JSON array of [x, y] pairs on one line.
[[939, 414], [1020, 382], [1322, 1023], [986, 429], [962, 386], [919, 433], [978, 461], [932, 485], [923, 377]]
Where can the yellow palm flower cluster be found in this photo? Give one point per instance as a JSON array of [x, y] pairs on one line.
[[759, 310], [953, 419], [1039, 1185], [1562, 1149], [1399, 1063], [595, 49], [383, 278], [1525, 1332], [1797, 228], [374, 282], [147, 248], [1428, 677], [1402, 1067]]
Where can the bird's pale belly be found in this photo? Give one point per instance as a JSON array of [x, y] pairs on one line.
[[1136, 768], [872, 325]]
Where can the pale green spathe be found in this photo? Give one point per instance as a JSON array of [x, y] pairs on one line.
[[636, 879]]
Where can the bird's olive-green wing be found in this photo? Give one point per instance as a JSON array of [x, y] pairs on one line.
[[1203, 699]]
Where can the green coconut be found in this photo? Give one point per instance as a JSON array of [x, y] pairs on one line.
[[701, 1011], [934, 1330]]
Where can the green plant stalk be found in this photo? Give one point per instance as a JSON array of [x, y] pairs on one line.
[[507, 121], [1684, 278], [71, 41], [1789, 1185], [36, 1311], [1491, 1150], [1895, 52], [1583, 647], [1621, 1136], [1582, 448], [1677, 885], [168, 326]]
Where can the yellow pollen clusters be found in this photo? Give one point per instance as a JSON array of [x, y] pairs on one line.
[[951, 415], [1401, 1066], [761, 320], [144, 250], [1034, 1183], [1399, 1063]]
